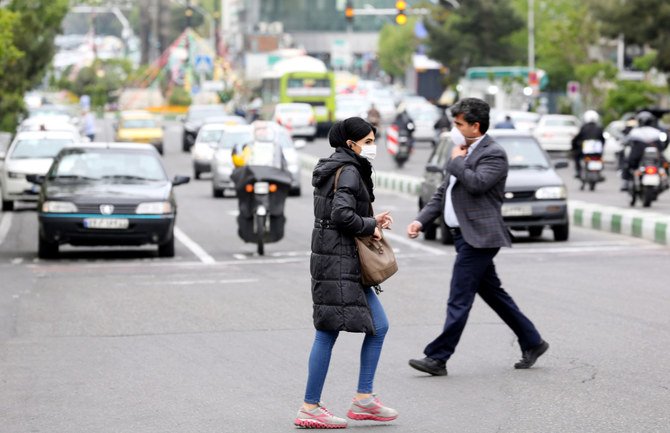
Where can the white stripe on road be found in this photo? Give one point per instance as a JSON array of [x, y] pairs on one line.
[[5, 224], [193, 246], [415, 244]]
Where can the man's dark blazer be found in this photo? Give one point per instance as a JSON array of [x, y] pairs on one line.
[[477, 196]]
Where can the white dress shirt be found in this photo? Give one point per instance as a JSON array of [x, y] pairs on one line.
[[449, 213]]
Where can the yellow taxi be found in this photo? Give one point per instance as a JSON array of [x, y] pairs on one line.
[[140, 127]]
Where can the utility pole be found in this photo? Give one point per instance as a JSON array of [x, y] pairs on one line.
[[531, 35]]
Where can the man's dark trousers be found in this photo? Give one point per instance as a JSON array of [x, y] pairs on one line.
[[474, 272]]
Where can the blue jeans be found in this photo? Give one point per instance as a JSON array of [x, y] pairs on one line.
[[319, 358]]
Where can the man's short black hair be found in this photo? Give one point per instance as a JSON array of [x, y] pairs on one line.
[[473, 110]]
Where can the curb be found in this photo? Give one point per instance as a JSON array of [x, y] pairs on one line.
[[648, 225]]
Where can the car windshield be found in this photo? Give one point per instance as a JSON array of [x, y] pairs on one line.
[[560, 122], [523, 152], [231, 139], [38, 148], [114, 165], [210, 136], [139, 123], [202, 113]]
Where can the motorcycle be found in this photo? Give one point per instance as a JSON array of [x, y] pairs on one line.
[[650, 179], [592, 164], [400, 143]]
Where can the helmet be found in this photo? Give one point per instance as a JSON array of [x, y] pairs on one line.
[[240, 156], [591, 116], [645, 118]]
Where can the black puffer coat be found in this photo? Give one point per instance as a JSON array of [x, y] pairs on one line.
[[337, 292]]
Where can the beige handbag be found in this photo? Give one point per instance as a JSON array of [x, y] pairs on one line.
[[376, 257]]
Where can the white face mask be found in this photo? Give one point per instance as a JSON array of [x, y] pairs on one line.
[[369, 152], [457, 137]]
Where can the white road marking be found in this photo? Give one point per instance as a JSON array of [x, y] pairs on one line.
[[193, 246], [197, 282], [17, 261], [414, 244], [5, 224], [240, 256]]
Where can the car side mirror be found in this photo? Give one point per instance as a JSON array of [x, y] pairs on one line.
[[35, 178], [561, 164], [180, 180], [434, 168], [299, 144]]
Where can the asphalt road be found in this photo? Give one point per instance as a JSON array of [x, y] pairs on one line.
[[217, 339]]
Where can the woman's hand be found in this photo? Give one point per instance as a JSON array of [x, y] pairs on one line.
[[377, 235], [384, 220]]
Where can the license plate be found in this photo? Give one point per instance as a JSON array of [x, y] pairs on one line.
[[106, 223], [651, 180], [516, 211], [595, 165]]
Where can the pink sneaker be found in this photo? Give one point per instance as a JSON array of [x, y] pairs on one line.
[[371, 409], [319, 417]]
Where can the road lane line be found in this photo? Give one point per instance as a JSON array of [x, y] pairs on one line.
[[414, 244], [193, 246], [5, 224]]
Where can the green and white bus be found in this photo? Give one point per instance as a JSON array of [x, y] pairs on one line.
[[301, 79]]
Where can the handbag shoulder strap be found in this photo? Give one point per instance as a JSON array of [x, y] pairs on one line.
[[337, 177]]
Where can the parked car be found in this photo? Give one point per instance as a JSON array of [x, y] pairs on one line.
[[222, 164], [139, 126], [106, 194], [298, 118], [195, 118], [31, 152], [535, 195], [556, 131], [207, 141]]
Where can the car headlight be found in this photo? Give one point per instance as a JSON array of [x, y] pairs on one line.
[[59, 207], [157, 207], [551, 193], [14, 175]]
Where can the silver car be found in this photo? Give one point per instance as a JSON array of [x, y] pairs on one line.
[[222, 167]]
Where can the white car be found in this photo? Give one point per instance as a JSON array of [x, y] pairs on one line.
[[206, 145], [523, 120], [346, 107], [31, 152], [298, 118], [50, 123], [556, 131], [424, 116], [233, 136]]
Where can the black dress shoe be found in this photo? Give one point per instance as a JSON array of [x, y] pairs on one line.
[[528, 357], [436, 367]]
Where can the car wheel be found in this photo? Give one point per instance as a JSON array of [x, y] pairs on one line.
[[446, 237], [46, 249], [7, 205], [196, 174], [535, 232], [561, 232], [217, 193], [167, 249], [185, 145]]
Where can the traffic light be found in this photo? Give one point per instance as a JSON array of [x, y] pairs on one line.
[[349, 12], [401, 15]]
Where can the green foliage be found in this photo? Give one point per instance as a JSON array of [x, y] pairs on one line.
[[101, 81], [629, 96], [642, 22], [396, 45], [179, 97], [477, 34], [27, 33], [645, 62]]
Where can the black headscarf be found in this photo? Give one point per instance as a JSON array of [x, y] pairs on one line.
[[354, 128]]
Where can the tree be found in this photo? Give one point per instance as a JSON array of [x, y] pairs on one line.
[[629, 96], [642, 22], [478, 33], [396, 45], [33, 26]]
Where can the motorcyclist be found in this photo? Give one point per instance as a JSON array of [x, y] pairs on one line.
[[590, 130], [374, 116], [403, 121], [639, 138], [443, 122]]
